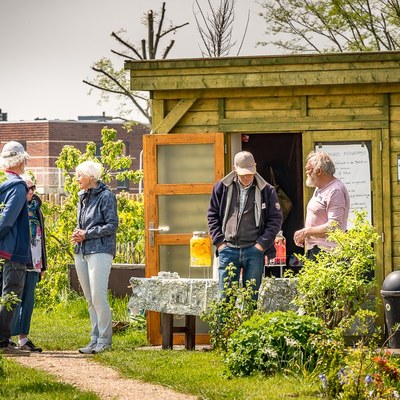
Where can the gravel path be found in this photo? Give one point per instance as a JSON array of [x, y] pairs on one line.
[[83, 372]]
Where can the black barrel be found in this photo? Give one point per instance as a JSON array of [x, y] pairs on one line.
[[391, 300]]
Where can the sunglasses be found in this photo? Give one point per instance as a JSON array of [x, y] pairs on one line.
[[33, 188]]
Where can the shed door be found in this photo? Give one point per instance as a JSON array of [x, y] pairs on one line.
[[179, 173], [370, 143]]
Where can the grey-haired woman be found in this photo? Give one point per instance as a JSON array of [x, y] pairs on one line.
[[95, 245]]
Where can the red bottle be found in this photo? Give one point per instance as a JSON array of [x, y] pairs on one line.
[[280, 246]]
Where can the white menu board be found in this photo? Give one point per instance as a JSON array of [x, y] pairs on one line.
[[353, 169]]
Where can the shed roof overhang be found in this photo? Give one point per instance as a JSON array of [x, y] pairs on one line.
[[265, 71]]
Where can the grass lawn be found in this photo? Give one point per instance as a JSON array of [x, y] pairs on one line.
[[195, 372], [22, 383]]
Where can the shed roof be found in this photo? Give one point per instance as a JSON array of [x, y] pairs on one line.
[[265, 71]]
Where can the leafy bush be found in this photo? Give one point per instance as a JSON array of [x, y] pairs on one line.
[[338, 283], [59, 224], [130, 235], [226, 314], [274, 342]]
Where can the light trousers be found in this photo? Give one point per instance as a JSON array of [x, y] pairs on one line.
[[93, 272]]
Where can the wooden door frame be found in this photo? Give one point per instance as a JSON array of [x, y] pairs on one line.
[[380, 186], [152, 189]]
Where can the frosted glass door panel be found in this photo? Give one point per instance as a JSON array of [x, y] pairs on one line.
[[191, 163], [184, 213], [175, 259]]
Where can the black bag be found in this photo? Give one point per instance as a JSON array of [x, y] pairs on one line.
[[284, 200]]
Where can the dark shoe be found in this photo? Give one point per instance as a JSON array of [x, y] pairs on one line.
[[11, 351], [30, 347]]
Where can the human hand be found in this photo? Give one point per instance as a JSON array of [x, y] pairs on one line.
[[299, 237], [222, 246], [78, 236], [258, 247]]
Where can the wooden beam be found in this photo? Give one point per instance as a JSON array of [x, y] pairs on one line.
[[210, 79], [182, 188], [173, 117], [301, 123]]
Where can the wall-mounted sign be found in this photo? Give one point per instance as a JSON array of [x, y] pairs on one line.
[[353, 169]]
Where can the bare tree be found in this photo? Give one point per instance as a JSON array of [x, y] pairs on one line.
[[112, 81], [332, 25], [216, 30]]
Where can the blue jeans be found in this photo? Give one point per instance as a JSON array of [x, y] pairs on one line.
[[249, 259], [93, 271], [12, 279], [23, 312]]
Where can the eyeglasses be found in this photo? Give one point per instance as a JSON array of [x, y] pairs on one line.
[[33, 188]]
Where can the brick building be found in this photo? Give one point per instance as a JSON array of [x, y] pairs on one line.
[[44, 140]]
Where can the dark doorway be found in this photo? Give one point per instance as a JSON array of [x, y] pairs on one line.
[[283, 154]]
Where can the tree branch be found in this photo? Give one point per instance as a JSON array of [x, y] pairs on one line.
[[113, 34], [123, 55]]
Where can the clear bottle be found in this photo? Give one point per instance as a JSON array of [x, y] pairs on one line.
[[280, 246], [200, 249]]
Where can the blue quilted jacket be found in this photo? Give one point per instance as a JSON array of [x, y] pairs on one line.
[[98, 217]]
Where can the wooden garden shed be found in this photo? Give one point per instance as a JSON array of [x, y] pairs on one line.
[[280, 108]]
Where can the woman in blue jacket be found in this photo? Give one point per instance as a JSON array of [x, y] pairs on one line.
[[34, 271], [95, 244]]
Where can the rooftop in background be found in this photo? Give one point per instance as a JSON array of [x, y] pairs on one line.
[[100, 118]]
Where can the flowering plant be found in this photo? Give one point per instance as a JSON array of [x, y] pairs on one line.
[[365, 375]]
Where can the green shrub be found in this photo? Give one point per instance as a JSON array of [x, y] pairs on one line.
[[338, 283], [226, 314], [275, 342], [130, 235]]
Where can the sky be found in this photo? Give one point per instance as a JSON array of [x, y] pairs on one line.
[[48, 46]]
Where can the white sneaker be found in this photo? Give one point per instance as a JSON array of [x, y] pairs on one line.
[[88, 349], [100, 347]]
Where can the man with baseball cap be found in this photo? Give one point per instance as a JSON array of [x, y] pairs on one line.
[[14, 238], [244, 218]]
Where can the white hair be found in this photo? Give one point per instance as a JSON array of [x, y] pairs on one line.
[[90, 169], [27, 177], [11, 162]]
